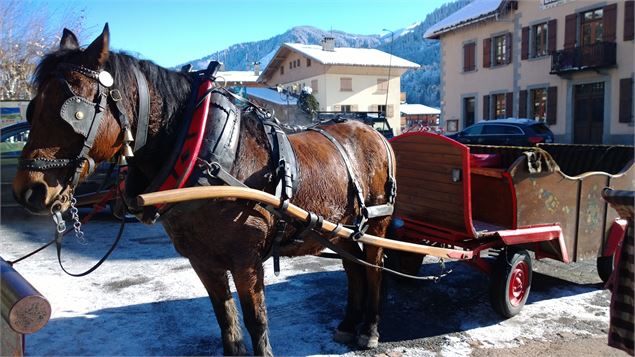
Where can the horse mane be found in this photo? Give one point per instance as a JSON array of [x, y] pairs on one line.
[[172, 85]]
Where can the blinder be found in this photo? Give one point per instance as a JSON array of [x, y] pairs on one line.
[[76, 111]]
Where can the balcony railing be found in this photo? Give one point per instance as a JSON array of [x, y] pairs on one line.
[[599, 55]]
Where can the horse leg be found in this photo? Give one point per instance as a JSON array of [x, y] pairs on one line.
[[369, 331], [250, 286], [347, 329], [217, 285]]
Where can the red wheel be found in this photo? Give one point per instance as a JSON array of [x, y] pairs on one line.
[[510, 282]]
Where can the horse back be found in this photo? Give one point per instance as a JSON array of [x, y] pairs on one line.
[[324, 184]]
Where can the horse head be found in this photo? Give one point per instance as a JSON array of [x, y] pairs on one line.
[[72, 125]]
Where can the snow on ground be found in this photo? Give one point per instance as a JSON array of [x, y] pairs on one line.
[[146, 300]]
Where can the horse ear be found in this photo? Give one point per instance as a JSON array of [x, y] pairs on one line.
[[69, 40], [98, 50]]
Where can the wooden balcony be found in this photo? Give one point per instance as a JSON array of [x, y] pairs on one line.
[[593, 57]]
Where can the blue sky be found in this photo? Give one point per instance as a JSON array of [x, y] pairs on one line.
[[171, 32]]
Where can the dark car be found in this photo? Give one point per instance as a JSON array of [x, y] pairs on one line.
[[509, 132], [12, 140]]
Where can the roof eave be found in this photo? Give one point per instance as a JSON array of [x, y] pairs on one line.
[[437, 34]]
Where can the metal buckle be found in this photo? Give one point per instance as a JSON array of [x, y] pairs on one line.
[[115, 95]]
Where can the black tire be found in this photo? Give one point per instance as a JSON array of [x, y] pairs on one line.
[[403, 262], [510, 282], [605, 267]]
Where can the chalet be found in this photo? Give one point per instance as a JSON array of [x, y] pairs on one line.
[[341, 79], [566, 62]]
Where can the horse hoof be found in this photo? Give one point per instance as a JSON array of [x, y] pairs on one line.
[[343, 336], [364, 341]]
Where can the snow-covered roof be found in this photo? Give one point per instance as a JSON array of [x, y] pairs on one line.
[[475, 11], [271, 96], [238, 76], [347, 56], [418, 109]]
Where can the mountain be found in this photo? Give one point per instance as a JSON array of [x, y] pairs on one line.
[[240, 57], [421, 86]]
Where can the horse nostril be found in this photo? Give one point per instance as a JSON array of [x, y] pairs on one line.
[[34, 197]]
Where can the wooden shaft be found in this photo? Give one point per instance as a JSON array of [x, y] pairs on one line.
[[229, 192], [22, 307]]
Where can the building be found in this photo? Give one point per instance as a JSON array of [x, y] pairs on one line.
[[567, 62], [341, 79], [414, 116]]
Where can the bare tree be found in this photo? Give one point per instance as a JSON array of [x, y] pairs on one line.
[[27, 31]]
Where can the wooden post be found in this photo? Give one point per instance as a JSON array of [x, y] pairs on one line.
[[22, 307]]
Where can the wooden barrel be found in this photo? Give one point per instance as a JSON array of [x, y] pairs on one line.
[[22, 306]]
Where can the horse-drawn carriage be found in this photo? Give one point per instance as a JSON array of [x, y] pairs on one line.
[[495, 204], [265, 194]]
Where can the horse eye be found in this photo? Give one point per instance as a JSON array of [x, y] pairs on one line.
[[29, 112]]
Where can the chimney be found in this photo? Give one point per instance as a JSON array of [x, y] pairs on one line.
[[256, 68], [328, 44]]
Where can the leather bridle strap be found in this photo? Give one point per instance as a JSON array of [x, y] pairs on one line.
[[143, 110]]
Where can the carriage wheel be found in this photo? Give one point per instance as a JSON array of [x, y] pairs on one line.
[[510, 282], [605, 267]]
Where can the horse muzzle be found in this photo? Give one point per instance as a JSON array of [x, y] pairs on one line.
[[38, 198]]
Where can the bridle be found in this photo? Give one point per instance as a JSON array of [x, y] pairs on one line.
[[85, 117]]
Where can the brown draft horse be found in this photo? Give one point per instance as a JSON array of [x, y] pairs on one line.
[[218, 236]]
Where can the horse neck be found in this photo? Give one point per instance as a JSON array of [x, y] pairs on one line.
[[168, 101], [253, 158]]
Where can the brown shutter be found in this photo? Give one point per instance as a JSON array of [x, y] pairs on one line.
[[509, 104], [609, 18], [626, 100], [629, 23], [524, 47], [486, 107], [473, 55], [570, 22], [552, 35], [552, 105], [466, 56], [487, 52], [509, 47], [522, 104]]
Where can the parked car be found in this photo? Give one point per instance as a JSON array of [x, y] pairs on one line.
[[508, 132], [12, 140]]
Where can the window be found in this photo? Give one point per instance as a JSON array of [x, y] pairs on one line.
[[469, 57], [591, 27], [538, 103], [539, 36], [475, 130], [381, 108], [346, 84], [290, 65], [500, 106], [500, 50], [281, 70], [308, 62], [468, 111], [345, 108], [382, 85], [314, 85]]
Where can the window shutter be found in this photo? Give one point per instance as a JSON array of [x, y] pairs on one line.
[[522, 104], [509, 47], [487, 52], [629, 24], [610, 19], [509, 104], [524, 47], [552, 35], [354, 108], [626, 100], [570, 22], [486, 107], [466, 57], [552, 105], [337, 108], [389, 110]]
